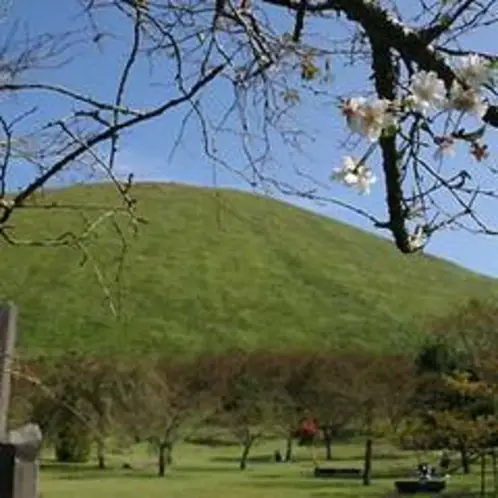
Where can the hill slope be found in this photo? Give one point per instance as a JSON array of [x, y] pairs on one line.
[[216, 269]]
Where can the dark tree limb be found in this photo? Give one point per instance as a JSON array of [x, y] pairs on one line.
[[299, 24], [385, 84], [107, 134], [412, 45]]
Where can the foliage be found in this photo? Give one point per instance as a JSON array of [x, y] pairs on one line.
[[72, 441], [256, 395], [473, 328], [166, 400], [452, 411], [60, 410], [73, 398], [454, 403], [393, 380], [250, 400], [438, 355]]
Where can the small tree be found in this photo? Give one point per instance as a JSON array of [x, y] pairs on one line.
[[367, 380], [467, 341], [76, 400], [100, 391], [250, 401], [60, 408], [168, 398], [293, 377], [455, 411], [328, 396], [395, 378]]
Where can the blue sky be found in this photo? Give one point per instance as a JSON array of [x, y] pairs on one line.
[[146, 151]]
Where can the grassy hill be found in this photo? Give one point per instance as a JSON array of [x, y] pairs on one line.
[[217, 269]]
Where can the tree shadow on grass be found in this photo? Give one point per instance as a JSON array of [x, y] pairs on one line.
[[270, 459], [83, 472], [390, 456], [74, 471], [301, 483], [212, 442], [206, 469], [103, 474], [446, 494], [376, 457], [331, 494], [463, 494], [236, 460], [394, 473]]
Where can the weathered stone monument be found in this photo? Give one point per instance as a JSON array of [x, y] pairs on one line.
[[18, 449], [8, 333]]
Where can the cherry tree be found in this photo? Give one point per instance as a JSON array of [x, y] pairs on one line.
[[427, 94]]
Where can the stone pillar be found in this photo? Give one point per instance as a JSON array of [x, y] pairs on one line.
[[27, 443], [8, 332]]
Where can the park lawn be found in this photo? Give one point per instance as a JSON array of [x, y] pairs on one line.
[[213, 472]]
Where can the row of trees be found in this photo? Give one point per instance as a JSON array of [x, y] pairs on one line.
[[443, 397], [86, 398]]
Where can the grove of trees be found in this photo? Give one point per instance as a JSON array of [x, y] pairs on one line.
[[442, 397]]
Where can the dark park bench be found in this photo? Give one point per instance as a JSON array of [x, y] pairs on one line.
[[344, 473], [413, 486]]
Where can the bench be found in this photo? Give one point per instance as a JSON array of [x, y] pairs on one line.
[[338, 473], [411, 487]]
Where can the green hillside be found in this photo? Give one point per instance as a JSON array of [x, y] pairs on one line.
[[216, 269]]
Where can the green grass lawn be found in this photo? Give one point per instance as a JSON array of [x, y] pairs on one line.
[[216, 270], [201, 472]]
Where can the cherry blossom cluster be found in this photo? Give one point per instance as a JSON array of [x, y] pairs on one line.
[[372, 119]]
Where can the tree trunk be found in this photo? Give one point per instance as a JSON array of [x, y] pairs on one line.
[[101, 454], [495, 475], [245, 453], [328, 449], [483, 474], [327, 439], [367, 467], [288, 448], [465, 458], [165, 458]]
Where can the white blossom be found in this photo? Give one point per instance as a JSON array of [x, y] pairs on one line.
[[366, 179], [466, 100], [427, 91], [376, 118], [354, 174], [474, 70], [368, 119], [352, 109], [347, 173]]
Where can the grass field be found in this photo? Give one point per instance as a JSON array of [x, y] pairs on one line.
[[219, 269], [201, 472]]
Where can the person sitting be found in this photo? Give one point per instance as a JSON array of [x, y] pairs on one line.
[[425, 472]]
